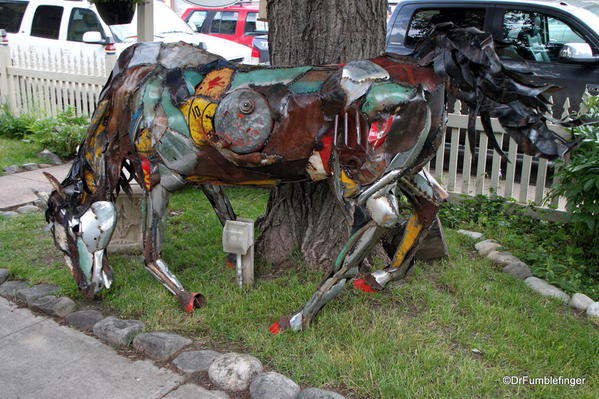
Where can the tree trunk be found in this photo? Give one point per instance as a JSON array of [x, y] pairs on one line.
[[306, 216]]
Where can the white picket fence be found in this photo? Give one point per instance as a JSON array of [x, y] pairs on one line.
[[48, 83], [524, 178]]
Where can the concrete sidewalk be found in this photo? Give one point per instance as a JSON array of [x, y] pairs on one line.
[[41, 359], [16, 189]]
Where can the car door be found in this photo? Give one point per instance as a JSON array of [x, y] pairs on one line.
[[200, 19], [413, 21], [79, 21], [536, 36]]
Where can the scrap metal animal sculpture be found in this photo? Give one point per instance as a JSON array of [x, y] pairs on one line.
[[173, 114]]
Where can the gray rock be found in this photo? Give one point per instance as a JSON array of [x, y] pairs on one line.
[[50, 157], [117, 331], [485, 247], [84, 320], [316, 393], [193, 361], [273, 385], [54, 305], [234, 371], [580, 302], [546, 289], [518, 269], [160, 345], [593, 310], [40, 204], [30, 166], [9, 170], [9, 214], [27, 209], [3, 275], [193, 391], [30, 294], [502, 258], [9, 289], [471, 234]]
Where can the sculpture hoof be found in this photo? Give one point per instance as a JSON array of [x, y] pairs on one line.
[[274, 328], [191, 300], [281, 325], [363, 286]]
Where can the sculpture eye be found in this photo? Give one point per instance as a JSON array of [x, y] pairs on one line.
[[246, 106]]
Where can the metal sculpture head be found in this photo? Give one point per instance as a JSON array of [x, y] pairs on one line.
[[82, 238]]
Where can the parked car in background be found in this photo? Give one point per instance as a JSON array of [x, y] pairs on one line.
[[74, 27], [557, 40], [238, 23], [260, 54]]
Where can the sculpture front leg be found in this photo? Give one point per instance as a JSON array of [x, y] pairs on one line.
[[153, 236], [346, 266], [425, 195]]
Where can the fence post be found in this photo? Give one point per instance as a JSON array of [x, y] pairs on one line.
[[109, 59], [4, 63]]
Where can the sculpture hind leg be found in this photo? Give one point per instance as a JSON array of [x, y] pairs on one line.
[[153, 236], [425, 195]]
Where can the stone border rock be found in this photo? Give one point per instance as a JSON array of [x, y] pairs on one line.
[[232, 372], [36, 206], [491, 250], [49, 156]]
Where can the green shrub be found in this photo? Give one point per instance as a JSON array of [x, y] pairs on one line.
[[62, 134], [13, 126], [551, 249], [579, 179]]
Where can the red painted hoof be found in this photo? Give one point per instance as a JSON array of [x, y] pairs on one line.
[[275, 329], [362, 286], [191, 300]]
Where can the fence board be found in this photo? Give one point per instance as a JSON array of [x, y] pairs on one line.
[[525, 179], [511, 169], [481, 165]]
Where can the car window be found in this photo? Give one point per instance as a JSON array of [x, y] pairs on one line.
[[252, 25], [536, 36], [424, 19], [197, 18], [82, 20], [11, 14], [46, 22], [224, 22]]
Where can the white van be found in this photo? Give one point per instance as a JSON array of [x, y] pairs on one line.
[[74, 27]]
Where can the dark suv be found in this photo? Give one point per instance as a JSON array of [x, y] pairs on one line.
[[558, 40]]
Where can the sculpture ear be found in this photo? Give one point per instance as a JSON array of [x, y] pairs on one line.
[[54, 182]]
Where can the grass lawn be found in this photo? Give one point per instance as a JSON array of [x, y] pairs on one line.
[[415, 339], [18, 152]]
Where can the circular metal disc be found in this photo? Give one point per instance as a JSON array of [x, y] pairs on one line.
[[243, 121]]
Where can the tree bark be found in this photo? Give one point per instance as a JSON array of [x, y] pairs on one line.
[[306, 216]]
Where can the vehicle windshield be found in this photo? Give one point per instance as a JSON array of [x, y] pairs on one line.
[[165, 21]]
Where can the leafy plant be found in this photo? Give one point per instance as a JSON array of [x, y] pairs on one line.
[[14, 126], [62, 134], [579, 178]]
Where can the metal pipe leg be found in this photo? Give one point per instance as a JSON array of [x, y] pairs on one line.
[[346, 267], [154, 229], [220, 202], [224, 211]]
